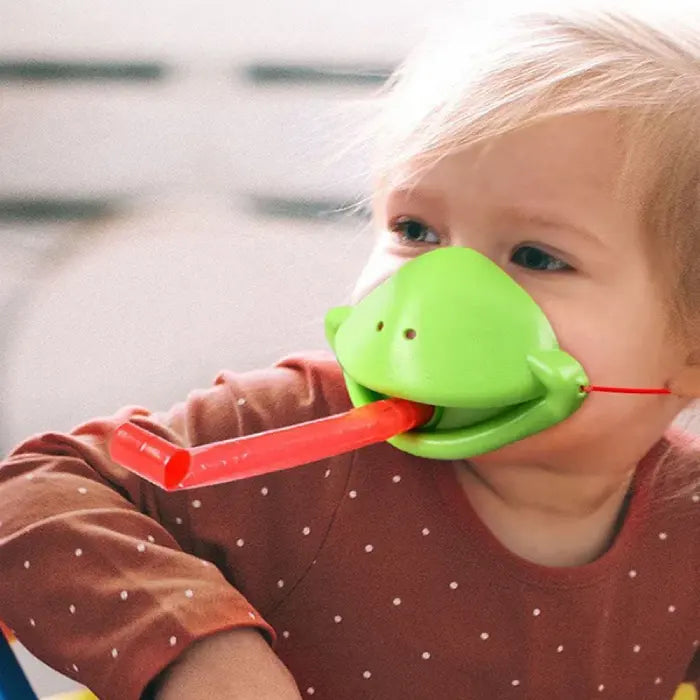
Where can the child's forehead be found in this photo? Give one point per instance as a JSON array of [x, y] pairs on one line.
[[576, 157]]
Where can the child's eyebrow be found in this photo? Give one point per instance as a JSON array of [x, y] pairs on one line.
[[428, 197], [518, 214]]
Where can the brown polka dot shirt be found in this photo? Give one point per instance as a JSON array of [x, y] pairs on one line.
[[368, 573]]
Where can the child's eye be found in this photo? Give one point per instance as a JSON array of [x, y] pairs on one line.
[[534, 258], [413, 231]]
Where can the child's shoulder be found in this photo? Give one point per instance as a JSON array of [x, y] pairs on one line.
[[681, 458], [675, 482]]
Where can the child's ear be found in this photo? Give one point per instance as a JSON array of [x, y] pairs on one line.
[[686, 383]]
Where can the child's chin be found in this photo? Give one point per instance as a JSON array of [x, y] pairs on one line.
[[537, 449]]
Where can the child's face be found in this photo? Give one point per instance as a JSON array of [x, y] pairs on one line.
[[541, 203]]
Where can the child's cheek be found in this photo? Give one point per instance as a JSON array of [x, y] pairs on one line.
[[380, 266]]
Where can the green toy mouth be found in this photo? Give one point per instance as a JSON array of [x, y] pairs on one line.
[[449, 428]]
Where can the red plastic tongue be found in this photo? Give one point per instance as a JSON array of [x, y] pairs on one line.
[[174, 468]]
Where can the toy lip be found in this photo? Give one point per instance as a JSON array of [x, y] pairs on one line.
[[466, 432], [432, 427], [449, 432]]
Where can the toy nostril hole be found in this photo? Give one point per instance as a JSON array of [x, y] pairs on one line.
[[380, 325], [409, 334]]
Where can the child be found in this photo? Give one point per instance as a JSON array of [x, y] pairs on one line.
[[564, 146]]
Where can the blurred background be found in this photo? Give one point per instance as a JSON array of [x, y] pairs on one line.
[[176, 188]]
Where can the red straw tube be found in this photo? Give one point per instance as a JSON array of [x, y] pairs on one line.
[[175, 468], [148, 455]]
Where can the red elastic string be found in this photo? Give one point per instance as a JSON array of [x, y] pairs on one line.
[[623, 390]]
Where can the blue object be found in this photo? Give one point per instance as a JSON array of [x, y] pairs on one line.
[[13, 683]]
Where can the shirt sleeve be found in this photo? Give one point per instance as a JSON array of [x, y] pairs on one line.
[[96, 581]]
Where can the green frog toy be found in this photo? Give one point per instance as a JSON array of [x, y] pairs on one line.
[[453, 330]]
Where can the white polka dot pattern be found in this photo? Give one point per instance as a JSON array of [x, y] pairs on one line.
[[402, 558]]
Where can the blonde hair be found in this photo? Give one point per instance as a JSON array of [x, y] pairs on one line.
[[476, 78]]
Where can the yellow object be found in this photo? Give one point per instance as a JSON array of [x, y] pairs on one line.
[[685, 691]]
